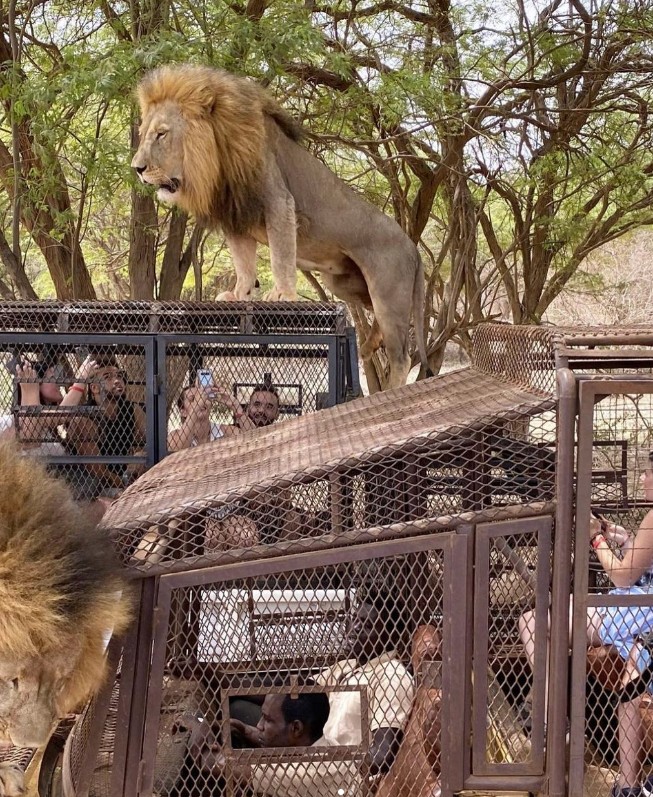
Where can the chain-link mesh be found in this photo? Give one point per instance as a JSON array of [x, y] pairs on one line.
[[83, 409], [317, 669], [473, 451], [456, 443], [617, 732], [524, 355], [246, 318]]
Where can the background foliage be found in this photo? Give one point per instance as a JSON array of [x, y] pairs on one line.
[[510, 140]]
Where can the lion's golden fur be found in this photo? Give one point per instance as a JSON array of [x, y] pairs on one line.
[[219, 147], [60, 587], [226, 141]]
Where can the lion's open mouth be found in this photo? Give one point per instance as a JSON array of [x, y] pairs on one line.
[[171, 185]]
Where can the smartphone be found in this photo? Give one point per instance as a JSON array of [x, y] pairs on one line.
[[204, 378], [81, 352]]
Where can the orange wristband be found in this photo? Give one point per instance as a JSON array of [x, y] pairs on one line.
[[596, 540], [77, 388]]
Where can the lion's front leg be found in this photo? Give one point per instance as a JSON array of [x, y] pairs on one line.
[[243, 253], [281, 230], [12, 780]]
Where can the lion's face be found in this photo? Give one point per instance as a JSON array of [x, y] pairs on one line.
[[33, 695], [159, 159]]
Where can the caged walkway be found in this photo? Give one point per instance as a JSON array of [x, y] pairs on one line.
[[449, 506]]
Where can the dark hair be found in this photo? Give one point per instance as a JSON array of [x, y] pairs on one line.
[[265, 389], [182, 396], [310, 708], [390, 609], [105, 359]]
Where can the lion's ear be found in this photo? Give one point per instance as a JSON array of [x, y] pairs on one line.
[[206, 99]]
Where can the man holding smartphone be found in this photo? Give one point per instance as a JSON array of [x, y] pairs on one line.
[[195, 404]]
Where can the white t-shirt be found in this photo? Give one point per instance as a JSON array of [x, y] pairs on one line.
[[214, 433]]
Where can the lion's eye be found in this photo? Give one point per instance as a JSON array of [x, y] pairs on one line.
[[161, 134], [14, 684]]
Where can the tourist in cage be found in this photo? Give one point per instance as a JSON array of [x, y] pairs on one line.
[[370, 661], [196, 402], [627, 560], [119, 430], [39, 384]]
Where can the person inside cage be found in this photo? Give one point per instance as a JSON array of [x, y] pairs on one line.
[[118, 430], [370, 661], [39, 385], [627, 560], [196, 402]]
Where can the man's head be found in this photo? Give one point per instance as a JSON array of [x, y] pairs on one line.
[[288, 721], [109, 381], [263, 405], [376, 627]]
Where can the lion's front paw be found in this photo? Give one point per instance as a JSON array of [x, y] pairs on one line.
[[226, 296], [281, 295], [12, 781]]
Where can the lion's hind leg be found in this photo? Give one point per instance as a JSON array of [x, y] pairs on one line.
[[372, 342], [12, 780]]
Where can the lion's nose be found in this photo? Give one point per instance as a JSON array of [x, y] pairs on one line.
[[140, 169]]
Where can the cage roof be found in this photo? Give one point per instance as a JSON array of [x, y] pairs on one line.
[[388, 424]]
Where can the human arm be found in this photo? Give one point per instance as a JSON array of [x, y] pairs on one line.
[[636, 552], [242, 422], [248, 733], [38, 425], [77, 390], [196, 424]]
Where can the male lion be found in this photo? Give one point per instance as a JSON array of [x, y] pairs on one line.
[[60, 594], [219, 147]]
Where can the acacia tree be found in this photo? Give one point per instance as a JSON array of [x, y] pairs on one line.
[[509, 143]]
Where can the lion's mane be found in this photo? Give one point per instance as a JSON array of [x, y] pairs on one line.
[[60, 583], [224, 159]]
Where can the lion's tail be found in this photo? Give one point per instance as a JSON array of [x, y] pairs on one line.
[[419, 298]]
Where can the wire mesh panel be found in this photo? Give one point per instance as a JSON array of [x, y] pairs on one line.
[[613, 601], [512, 584], [456, 443], [86, 409], [174, 317], [217, 387], [315, 680]]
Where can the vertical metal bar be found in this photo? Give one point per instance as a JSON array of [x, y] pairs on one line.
[[456, 652], [560, 584], [581, 575], [161, 417], [333, 371], [155, 689], [98, 721], [127, 670], [130, 784]]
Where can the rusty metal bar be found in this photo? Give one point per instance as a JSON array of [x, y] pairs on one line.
[[561, 583], [329, 542], [456, 651], [98, 720], [130, 786], [159, 644]]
